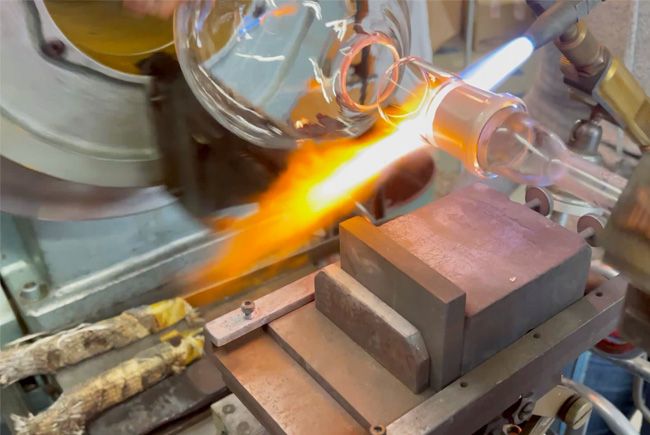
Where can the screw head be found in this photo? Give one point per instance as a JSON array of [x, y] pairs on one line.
[[54, 48], [248, 307], [243, 428], [377, 429], [228, 409]]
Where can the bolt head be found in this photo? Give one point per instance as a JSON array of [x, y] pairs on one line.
[[525, 411], [54, 48], [248, 307]]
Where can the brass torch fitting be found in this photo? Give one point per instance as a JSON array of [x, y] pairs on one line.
[[624, 98], [582, 49], [608, 80]]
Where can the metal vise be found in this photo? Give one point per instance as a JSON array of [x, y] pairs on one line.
[[438, 313]]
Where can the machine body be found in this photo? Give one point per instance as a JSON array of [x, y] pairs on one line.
[[455, 318]]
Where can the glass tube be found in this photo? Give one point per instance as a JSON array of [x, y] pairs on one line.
[[493, 134], [519, 148]]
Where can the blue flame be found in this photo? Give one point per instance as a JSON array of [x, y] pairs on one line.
[[493, 69]]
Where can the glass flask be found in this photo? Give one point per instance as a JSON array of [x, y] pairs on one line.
[[278, 71]]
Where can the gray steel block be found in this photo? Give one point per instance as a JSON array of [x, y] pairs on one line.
[[356, 380], [377, 328], [516, 267], [278, 391], [530, 365], [428, 300]]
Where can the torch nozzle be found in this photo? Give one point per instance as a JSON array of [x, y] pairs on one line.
[[556, 18]]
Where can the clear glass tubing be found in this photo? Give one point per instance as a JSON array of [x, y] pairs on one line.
[[492, 134]]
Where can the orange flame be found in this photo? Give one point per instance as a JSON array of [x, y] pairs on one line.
[[322, 182]]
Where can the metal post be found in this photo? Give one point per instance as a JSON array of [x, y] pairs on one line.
[[469, 30]]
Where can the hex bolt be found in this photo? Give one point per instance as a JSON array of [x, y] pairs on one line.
[[578, 413], [586, 135], [526, 412], [248, 307], [377, 429]]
